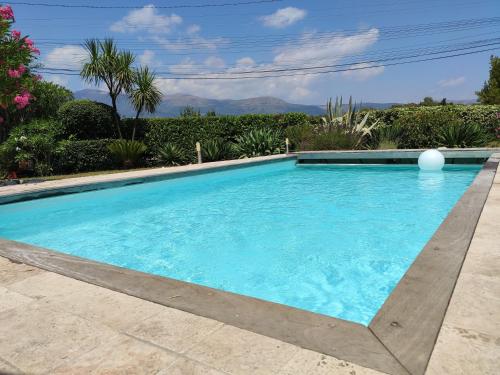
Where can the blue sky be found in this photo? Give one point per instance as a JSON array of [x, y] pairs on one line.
[[279, 35]]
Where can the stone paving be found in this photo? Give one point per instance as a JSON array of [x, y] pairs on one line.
[[51, 324]]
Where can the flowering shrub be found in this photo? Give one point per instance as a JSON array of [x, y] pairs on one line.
[[16, 55]]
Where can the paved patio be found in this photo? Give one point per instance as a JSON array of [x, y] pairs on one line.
[[53, 324]]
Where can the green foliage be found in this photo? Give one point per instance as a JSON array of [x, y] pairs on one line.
[[184, 132], [171, 154], [357, 133], [74, 156], [259, 142], [128, 153], [144, 93], [49, 97], [461, 135], [85, 119], [189, 111], [300, 136], [106, 64], [490, 93], [334, 139], [216, 149], [33, 143]]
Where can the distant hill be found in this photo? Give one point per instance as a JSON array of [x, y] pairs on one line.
[[172, 105]]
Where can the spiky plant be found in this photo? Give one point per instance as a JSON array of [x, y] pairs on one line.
[[127, 152], [171, 154], [462, 135], [259, 142], [346, 122], [216, 149]]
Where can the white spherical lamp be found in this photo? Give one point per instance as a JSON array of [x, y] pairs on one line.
[[431, 160]]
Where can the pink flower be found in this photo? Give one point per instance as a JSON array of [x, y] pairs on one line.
[[21, 69], [6, 13], [1, 120], [14, 73], [15, 34], [22, 100]]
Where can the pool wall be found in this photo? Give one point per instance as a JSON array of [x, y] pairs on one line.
[[400, 338]]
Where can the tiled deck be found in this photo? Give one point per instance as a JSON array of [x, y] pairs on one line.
[[53, 324]]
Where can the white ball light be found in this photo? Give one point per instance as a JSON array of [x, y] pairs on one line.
[[431, 160]]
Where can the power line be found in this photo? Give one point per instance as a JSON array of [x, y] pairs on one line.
[[354, 66], [90, 6]]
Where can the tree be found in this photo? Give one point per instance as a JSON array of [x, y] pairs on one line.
[[17, 55], [189, 111], [49, 97], [490, 93], [109, 65], [428, 101], [144, 93]]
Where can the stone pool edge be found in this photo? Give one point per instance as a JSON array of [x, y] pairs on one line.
[[400, 338]]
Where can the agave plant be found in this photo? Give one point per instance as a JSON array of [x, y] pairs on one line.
[[171, 154], [388, 137], [127, 152], [259, 142], [336, 119], [216, 149], [460, 135]]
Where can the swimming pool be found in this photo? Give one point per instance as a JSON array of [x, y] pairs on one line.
[[330, 239]]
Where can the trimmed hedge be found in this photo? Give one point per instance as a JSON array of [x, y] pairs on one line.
[[75, 156], [186, 131], [85, 119]]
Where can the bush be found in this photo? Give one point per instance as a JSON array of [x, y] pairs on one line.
[[462, 135], [85, 119], [259, 142], [127, 153], [32, 144], [49, 97], [334, 139], [75, 156], [170, 154], [216, 149], [184, 132]]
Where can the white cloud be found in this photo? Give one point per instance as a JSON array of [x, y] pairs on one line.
[[307, 51], [245, 61], [283, 17], [452, 82], [194, 42], [57, 79], [147, 58], [215, 62], [193, 29], [147, 18], [362, 72], [67, 57]]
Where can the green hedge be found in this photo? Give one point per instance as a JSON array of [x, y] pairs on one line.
[[73, 156], [85, 119], [186, 131]]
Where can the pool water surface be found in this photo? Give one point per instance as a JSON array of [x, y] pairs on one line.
[[330, 239]]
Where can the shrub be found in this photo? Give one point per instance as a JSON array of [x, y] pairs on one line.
[[334, 139], [216, 149], [300, 136], [420, 129], [85, 119], [171, 154], [74, 156], [186, 131], [49, 97], [259, 142], [127, 153], [461, 135], [33, 144]]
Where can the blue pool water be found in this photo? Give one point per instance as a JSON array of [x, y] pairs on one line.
[[330, 239]]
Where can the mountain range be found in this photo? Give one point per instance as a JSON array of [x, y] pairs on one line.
[[172, 105]]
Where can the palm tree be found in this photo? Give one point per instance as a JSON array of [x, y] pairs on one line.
[[143, 93], [109, 65]]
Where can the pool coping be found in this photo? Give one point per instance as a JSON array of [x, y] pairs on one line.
[[400, 338]]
